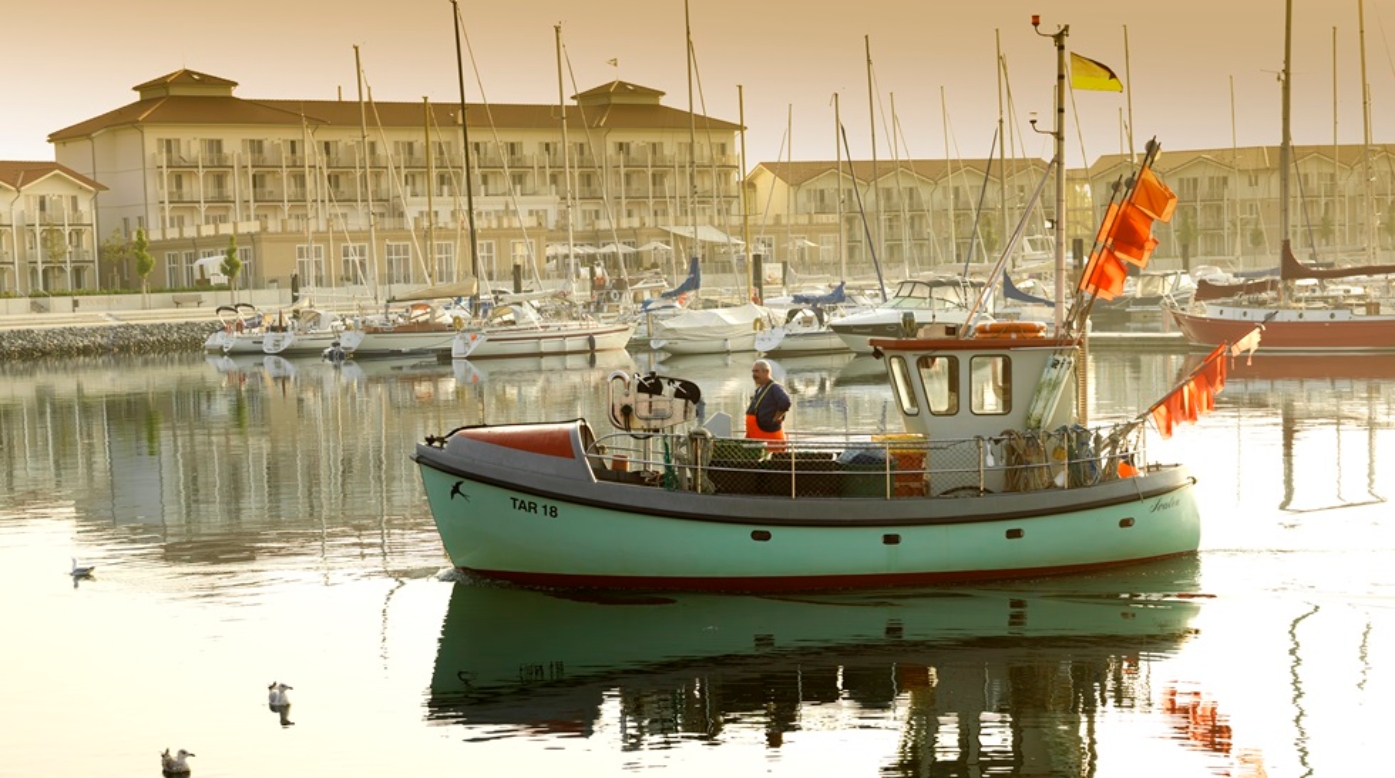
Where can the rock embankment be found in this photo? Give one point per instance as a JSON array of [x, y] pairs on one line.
[[146, 338]]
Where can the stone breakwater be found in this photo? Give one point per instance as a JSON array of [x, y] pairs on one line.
[[88, 341]]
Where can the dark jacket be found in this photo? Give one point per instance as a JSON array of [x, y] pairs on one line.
[[768, 401]]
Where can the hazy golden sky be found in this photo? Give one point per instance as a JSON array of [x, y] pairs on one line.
[[66, 65]]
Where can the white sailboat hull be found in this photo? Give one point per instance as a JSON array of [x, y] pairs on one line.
[[551, 339]]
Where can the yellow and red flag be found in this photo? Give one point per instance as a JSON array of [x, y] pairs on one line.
[[1086, 73]]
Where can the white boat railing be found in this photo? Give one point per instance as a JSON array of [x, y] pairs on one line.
[[885, 466]]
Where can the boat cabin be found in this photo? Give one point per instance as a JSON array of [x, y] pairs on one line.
[[965, 387]]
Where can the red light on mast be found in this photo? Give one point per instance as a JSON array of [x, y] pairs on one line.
[[1036, 19]]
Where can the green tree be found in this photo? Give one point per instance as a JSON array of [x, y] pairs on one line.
[[55, 245], [231, 264], [116, 255], [1185, 235], [140, 251]]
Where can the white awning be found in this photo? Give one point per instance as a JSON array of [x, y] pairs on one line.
[[614, 248], [655, 245], [705, 233]]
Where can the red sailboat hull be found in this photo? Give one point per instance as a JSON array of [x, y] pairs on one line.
[[1292, 330]]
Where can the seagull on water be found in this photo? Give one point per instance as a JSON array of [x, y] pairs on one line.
[[276, 695], [82, 571], [175, 765]]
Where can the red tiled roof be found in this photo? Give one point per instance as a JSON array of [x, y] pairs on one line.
[[18, 175]]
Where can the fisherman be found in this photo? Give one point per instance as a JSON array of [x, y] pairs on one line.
[[765, 416]]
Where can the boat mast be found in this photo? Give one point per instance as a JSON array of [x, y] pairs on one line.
[[838, 194], [1370, 216], [692, 131], [1059, 133], [1128, 93], [465, 156], [876, 247], [368, 184], [567, 167], [1002, 148], [430, 184], [1286, 138], [745, 212]]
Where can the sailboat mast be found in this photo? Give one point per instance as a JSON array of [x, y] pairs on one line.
[[692, 129], [838, 194], [465, 157], [1370, 215], [1286, 138], [368, 183], [1128, 91], [875, 248], [1002, 148], [566, 165], [430, 185], [745, 212]]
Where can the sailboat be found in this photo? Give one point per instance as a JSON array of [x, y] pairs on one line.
[[996, 475], [1303, 314]]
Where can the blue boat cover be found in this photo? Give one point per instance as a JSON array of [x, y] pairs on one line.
[[832, 298], [1011, 291]]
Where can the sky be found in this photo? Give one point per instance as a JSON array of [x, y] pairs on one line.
[[933, 60]]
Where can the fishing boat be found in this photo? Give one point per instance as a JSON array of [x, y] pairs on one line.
[[996, 474], [1302, 313]]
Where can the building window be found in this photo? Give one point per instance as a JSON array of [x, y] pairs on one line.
[[244, 255], [188, 269], [521, 252], [487, 256], [354, 263], [310, 264], [399, 263], [445, 262], [172, 274]]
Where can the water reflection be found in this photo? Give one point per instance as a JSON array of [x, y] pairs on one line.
[[1011, 681]]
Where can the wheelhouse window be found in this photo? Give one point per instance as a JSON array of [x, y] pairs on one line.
[[990, 382], [904, 389], [940, 376]]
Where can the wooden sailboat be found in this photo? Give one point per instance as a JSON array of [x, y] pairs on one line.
[[1301, 313]]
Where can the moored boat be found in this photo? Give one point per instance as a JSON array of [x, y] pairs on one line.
[[997, 474]]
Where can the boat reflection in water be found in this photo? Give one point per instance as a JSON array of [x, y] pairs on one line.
[[1013, 680], [550, 367]]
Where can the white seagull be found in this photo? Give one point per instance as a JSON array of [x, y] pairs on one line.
[[82, 571], [276, 695], [175, 765]]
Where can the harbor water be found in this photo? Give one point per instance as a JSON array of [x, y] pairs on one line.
[[257, 520]]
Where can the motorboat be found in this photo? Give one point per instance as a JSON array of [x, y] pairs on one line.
[[721, 330], [943, 300]]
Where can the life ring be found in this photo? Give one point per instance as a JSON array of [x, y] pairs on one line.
[[418, 311], [755, 297], [457, 322], [758, 324], [1011, 329], [614, 296], [683, 299]]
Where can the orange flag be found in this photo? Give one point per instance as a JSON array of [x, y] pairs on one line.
[[1153, 197], [1194, 397], [1104, 276], [1132, 236]]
